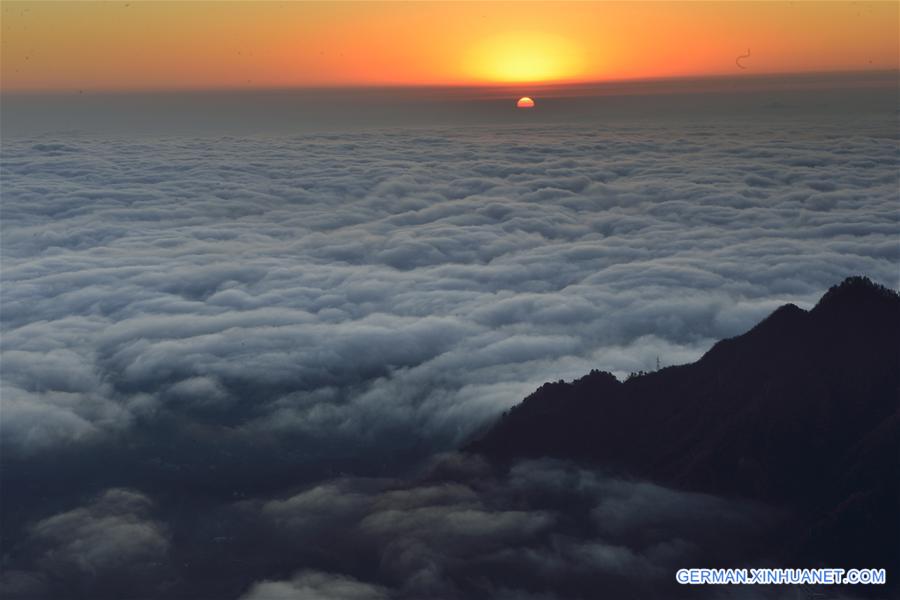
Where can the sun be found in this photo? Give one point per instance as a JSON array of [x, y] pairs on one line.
[[525, 102], [525, 57]]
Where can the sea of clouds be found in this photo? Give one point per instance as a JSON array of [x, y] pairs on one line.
[[268, 330]]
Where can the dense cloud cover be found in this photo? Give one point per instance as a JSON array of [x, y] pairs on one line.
[[422, 281], [239, 316]]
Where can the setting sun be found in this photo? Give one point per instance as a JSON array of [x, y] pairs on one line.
[[525, 102]]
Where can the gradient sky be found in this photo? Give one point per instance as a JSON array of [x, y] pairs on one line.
[[127, 45]]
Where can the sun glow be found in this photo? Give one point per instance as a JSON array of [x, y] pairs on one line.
[[92, 45], [525, 57]]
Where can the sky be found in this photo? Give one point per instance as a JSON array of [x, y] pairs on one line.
[[138, 45]]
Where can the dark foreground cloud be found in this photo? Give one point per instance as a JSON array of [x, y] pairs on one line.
[[112, 545], [460, 530], [545, 529]]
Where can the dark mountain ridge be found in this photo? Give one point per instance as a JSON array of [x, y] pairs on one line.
[[801, 411]]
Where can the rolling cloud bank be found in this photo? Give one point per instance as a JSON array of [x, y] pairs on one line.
[[225, 359]]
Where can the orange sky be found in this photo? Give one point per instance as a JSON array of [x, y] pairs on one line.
[[134, 44]]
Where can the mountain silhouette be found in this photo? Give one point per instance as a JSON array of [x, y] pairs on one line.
[[799, 412]]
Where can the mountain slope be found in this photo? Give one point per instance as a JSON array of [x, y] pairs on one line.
[[800, 411]]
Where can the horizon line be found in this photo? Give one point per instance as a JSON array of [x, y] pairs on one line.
[[560, 85]]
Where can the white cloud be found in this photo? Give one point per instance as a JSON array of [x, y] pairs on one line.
[[416, 282], [313, 585]]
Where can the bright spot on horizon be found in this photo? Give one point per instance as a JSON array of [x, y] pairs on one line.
[[525, 102], [526, 57]]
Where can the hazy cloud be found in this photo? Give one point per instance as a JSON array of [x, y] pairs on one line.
[[462, 532], [310, 585], [110, 545]]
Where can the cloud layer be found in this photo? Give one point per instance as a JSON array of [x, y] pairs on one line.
[[355, 283], [111, 545], [215, 349], [546, 529]]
